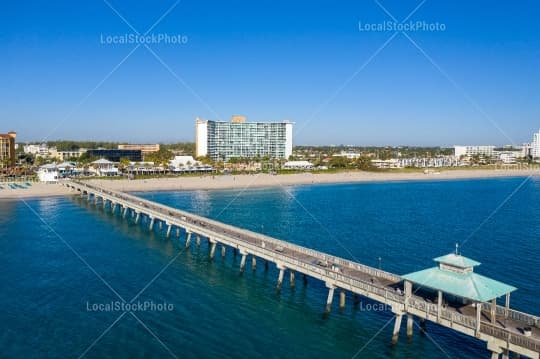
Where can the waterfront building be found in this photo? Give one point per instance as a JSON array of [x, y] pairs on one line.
[[468, 151], [239, 138], [188, 164], [115, 155], [7, 149], [347, 154], [145, 149], [298, 165], [48, 173], [43, 150], [66, 155], [37, 150], [104, 167], [52, 172], [508, 157], [525, 150], [391, 163]]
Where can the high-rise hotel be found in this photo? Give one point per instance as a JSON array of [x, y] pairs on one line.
[[222, 140], [535, 146]]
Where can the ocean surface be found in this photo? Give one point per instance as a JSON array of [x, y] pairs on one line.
[[64, 263]]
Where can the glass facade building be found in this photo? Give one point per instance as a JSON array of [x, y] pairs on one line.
[[222, 141], [116, 155]]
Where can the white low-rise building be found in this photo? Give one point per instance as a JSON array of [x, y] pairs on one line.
[[187, 164], [298, 165], [38, 150], [508, 157], [48, 173], [486, 151], [348, 155], [103, 167], [53, 172], [391, 163]]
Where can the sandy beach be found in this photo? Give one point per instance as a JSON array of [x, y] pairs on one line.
[[37, 189], [259, 180]]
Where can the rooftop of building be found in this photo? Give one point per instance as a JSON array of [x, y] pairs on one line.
[[236, 119], [10, 134]]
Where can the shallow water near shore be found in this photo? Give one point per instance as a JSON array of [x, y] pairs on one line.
[[52, 249]]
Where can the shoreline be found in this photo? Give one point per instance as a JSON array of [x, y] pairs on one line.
[[223, 182]]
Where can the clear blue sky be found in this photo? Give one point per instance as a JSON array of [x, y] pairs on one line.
[[271, 61]]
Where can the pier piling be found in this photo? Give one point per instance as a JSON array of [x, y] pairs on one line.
[[243, 262], [397, 327], [280, 277], [342, 299], [330, 298], [188, 239]]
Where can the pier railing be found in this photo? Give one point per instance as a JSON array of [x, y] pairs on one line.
[[431, 310], [510, 337], [521, 317]]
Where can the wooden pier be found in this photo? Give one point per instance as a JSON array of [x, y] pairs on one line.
[[503, 329]]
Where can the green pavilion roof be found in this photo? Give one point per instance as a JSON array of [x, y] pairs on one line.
[[466, 285], [457, 260]]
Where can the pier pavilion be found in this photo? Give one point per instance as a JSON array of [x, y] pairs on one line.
[[457, 286]]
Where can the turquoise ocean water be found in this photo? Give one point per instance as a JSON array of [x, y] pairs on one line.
[[54, 249]]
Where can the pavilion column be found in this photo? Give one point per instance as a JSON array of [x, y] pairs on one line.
[[124, 213], [493, 311], [169, 228], [408, 293], [439, 305], [137, 217], [152, 221], [478, 317], [507, 305], [291, 278]]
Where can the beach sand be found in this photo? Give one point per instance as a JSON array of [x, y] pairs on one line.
[[37, 189], [259, 180]]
